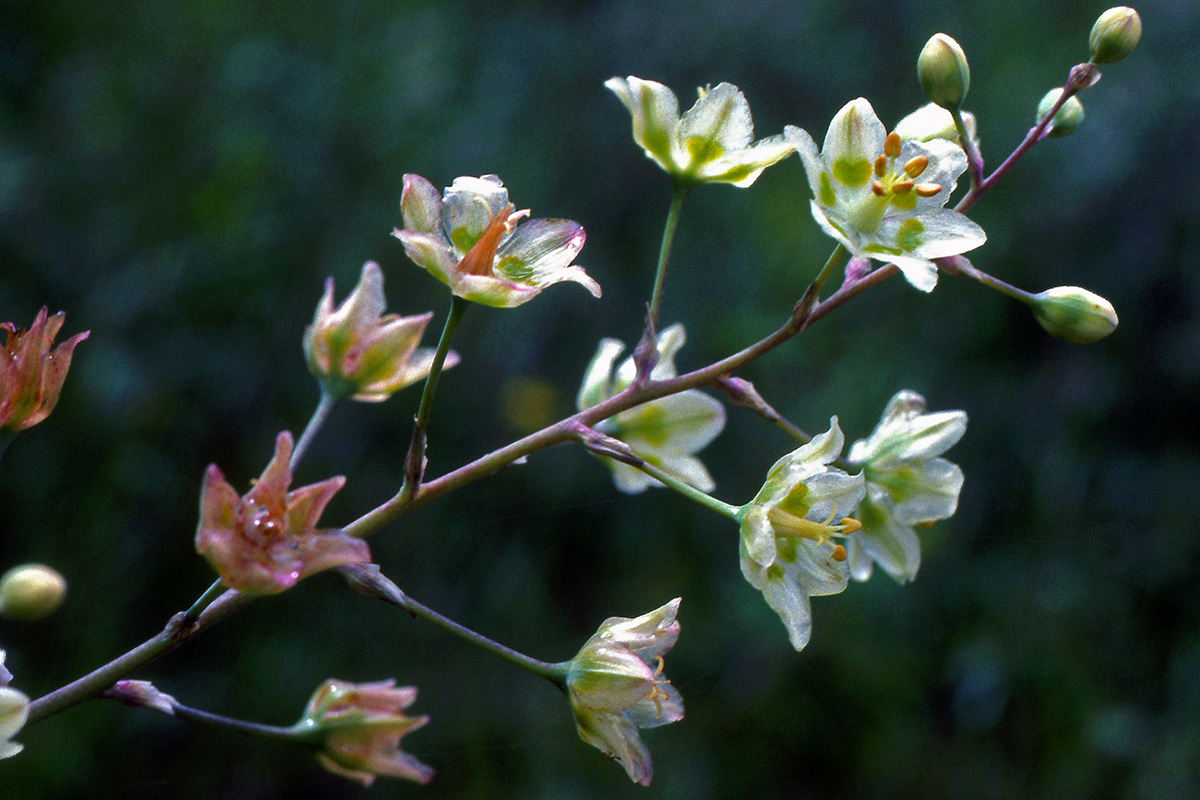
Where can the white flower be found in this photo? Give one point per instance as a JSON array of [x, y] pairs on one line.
[[14, 710], [710, 143], [882, 196], [787, 530], [908, 484], [615, 686], [664, 432]]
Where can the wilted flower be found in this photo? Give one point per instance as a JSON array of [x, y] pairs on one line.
[[664, 432], [615, 686], [360, 726], [787, 531], [470, 241], [882, 196], [710, 143], [908, 484], [14, 710], [31, 374], [358, 351], [266, 541]]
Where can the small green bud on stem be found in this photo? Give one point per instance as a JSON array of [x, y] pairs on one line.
[[1066, 119], [1074, 314], [943, 71], [1115, 34], [31, 591]]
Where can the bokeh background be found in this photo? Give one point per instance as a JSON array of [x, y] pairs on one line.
[[180, 176]]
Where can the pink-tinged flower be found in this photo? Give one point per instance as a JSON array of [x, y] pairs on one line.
[[31, 374], [356, 350], [469, 240], [266, 540], [615, 686], [360, 726]]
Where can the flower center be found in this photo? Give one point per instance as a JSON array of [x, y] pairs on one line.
[[482, 255], [898, 183], [790, 526]]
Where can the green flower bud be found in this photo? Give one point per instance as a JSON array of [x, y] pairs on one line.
[[1067, 119], [31, 591], [1074, 314], [943, 71], [1115, 34]]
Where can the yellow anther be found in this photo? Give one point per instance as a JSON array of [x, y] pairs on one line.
[[839, 553], [850, 525], [891, 145], [878, 189], [880, 166], [926, 525], [902, 187], [915, 166], [927, 189]]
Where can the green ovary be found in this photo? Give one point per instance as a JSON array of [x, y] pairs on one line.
[[866, 215]]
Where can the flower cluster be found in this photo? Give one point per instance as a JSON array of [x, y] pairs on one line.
[[664, 432], [469, 240], [266, 541], [615, 686]]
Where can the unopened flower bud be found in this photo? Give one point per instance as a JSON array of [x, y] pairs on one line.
[[1066, 119], [1074, 314], [1115, 34], [943, 71], [31, 591]]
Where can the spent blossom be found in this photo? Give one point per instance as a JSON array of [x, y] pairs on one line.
[[359, 726], [788, 531], [665, 432], [615, 686], [908, 483], [358, 351], [31, 373], [266, 541], [713, 142], [882, 196], [469, 240]]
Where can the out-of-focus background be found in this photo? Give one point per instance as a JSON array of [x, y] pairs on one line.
[[181, 176]]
